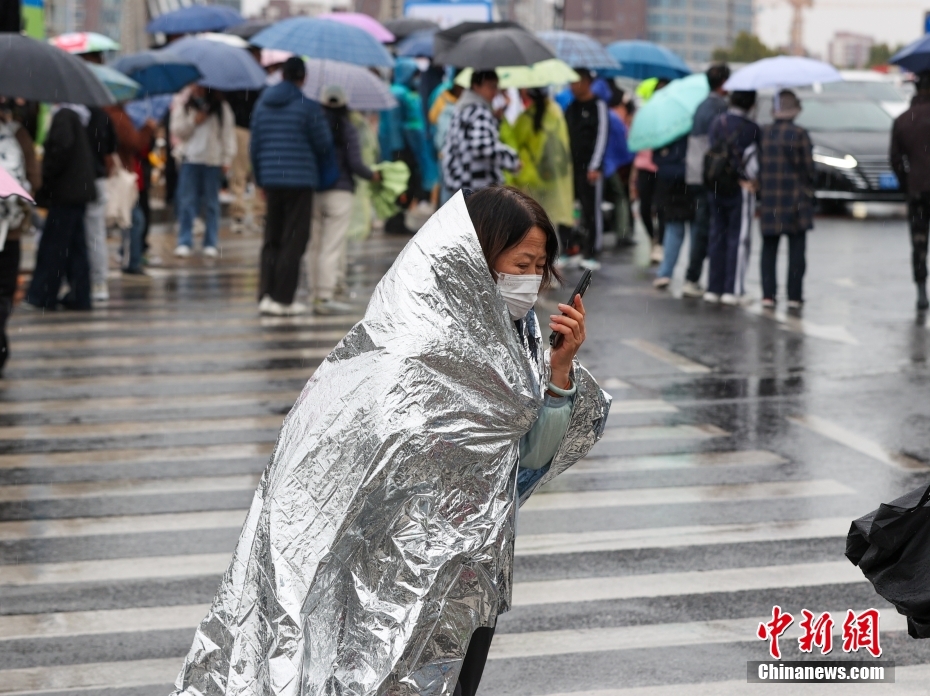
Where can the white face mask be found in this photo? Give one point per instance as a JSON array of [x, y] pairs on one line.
[[519, 292]]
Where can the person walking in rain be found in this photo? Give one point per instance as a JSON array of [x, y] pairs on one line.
[[786, 178], [540, 137], [378, 551], [910, 160]]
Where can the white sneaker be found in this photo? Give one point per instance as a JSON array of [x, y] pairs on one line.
[[795, 304], [332, 308], [657, 254], [295, 308], [264, 304], [691, 289], [100, 292], [590, 264], [768, 303], [272, 308], [711, 297], [661, 283], [182, 251], [729, 299], [211, 252]]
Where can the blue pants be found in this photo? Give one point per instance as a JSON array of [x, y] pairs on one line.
[[62, 253], [730, 242], [674, 238], [198, 186], [133, 239]]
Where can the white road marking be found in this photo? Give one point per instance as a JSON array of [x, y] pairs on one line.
[[662, 432], [117, 429], [115, 457], [641, 406], [858, 442], [657, 462], [686, 494], [835, 333], [121, 524], [128, 487], [664, 355]]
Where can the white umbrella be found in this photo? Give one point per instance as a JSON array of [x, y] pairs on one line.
[[781, 71], [364, 91]]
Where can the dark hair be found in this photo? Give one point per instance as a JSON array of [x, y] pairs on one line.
[[661, 82], [923, 81], [584, 74], [743, 100], [540, 99], [616, 95], [717, 74], [479, 77], [502, 217], [337, 116], [294, 70]]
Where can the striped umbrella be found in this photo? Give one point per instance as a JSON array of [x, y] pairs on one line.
[[320, 38], [362, 21], [364, 91], [580, 51]]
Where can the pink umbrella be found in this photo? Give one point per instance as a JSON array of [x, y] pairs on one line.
[[10, 187], [361, 21], [272, 56]]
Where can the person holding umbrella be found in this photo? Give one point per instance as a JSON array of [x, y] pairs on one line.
[[204, 127], [911, 163]]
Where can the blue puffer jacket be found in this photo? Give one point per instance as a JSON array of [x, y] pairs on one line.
[[290, 139]]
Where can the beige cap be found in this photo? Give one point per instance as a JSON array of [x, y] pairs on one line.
[[333, 95]]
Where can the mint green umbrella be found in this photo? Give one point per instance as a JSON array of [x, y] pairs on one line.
[[122, 88], [669, 114]]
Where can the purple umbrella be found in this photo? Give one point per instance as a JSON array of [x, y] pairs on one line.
[[361, 21]]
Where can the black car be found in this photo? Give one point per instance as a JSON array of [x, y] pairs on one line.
[[851, 136]]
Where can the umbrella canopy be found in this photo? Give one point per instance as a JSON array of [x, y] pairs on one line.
[[420, 43], [84, 42], [158, 72], [249, 28], [363, 22], [121, 87], [485, 50], [669, 114], [223, 67], [914, 57], [580, 51], [11, 187], [228, 39], [542, 74], [445, 40], [781, 71], [195, 19], [319, 38], [405, 26], [38, 71], [154, 107], [272, 56], [364, 91], [644, 59]]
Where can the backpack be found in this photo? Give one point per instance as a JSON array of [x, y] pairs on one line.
[[720, 175]]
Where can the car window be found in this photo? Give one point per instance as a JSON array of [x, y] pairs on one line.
[[834, 115], [880, 91]]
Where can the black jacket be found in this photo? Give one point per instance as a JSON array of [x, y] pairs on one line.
[[910, 152], [68, 170]]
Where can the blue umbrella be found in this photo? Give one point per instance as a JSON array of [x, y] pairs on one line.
[[644, 59], [319, 38], [914, 57], [580, 51], [121, 87], [194, 19], [225, 68], [158, 72], [419, 43], [141, 110]]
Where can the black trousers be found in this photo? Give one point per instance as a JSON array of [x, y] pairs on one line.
[[918, 208], [62, 253], [590, 196], [700, 236], [9, 273], [797, 264], [287, 230], [473, 666], [646, 187]]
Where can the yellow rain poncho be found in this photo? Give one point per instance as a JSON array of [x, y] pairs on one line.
[[546, 174]]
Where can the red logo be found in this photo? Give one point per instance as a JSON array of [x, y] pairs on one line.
[[819, 632], [773, 630], [861, 632]]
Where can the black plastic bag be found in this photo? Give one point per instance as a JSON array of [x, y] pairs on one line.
[[891, 546]]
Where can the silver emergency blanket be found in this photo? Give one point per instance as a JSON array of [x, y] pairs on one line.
[[382, 531]]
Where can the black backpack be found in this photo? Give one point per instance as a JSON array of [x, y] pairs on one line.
[[721, 177]]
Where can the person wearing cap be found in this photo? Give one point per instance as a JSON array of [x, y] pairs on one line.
[[786, 178], [292, 146], [910, 160], [332, 208]]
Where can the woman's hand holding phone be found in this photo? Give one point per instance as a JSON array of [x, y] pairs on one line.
[[570, 324]]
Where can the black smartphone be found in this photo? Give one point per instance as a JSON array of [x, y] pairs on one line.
[[555, 338]]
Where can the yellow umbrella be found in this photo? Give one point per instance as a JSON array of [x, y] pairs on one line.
[[541, 74]]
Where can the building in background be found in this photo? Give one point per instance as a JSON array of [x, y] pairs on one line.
[[848, 50], [691, 28]]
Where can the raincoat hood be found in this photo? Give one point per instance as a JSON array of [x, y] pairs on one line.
[[282, 94], [381, 533], [405, 69]]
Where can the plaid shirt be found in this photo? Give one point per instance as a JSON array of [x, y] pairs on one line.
[[786, 179], [473, 156]]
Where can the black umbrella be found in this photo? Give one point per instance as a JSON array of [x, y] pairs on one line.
[[37, 71], [250, 28], [405, 26], [489, 49], [445, 40], [891, 546]]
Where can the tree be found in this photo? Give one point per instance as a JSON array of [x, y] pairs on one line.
[[879, 54], [747, 48]]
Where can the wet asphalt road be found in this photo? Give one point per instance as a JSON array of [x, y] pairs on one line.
[[740, 445]]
